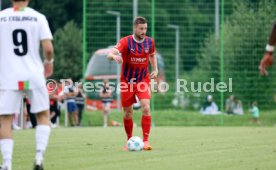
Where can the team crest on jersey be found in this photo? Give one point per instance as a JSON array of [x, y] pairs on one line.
[[146, 50]]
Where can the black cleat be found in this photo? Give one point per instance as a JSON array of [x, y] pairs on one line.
[[4, 168], [37, 166]]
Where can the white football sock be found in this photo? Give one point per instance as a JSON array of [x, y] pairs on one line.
[[42, 137], [6, 149]]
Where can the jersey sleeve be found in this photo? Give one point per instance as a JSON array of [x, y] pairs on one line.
[[45, 32], [121, 45], [152, 50]]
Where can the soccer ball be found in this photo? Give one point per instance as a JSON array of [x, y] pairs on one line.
[[135, 143]]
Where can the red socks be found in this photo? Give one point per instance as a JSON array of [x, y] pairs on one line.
[[128, 123], [146, 123]]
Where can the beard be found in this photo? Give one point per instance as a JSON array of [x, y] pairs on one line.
[[140, 36]]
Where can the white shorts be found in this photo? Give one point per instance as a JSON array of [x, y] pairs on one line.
[[11, 100]]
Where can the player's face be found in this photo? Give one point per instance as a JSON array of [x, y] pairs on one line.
[[20, 1], [140, 31]]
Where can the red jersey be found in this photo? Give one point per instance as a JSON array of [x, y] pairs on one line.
[[135, 58]]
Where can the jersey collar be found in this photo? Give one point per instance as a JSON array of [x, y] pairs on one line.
[[137, 40], [17, 8]]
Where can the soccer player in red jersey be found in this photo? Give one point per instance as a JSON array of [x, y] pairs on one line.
[[267, 59], [135, 52]]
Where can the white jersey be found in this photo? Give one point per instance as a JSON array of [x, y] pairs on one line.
[[20, 35]]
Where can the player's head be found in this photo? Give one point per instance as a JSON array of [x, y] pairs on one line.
[[254, 103], [24, 2], [140, 27], [209, 98], [20, 0], [105, 81]]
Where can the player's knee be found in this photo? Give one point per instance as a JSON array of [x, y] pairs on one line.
[[43, 117], [128, 113], [146, 110], [6, 118], [105, 112]]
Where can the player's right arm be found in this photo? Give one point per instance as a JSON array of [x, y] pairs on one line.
[[47, 46], [117, 50], [267, 59], [48, 53], [115, 55]]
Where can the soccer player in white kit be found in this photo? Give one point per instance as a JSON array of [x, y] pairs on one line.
[[22, 31]]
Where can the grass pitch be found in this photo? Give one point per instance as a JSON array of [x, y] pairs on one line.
[[177, 148], [184, 118]]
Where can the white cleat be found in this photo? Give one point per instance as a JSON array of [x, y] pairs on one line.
[[15, 127]]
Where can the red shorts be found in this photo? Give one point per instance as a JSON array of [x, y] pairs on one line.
[[128, 92]]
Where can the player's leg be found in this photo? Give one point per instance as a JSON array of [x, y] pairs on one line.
[[70, 111], [143, 93], [32, 117], [128, 121], [40, 105], [146, 122], [70, 118], [76, 120], [52, 115], [80, 109], [14, 122], [105, 113], [127, 100], [6, 140], [10, 101], [258, 121], [43, 131], [76, 117]]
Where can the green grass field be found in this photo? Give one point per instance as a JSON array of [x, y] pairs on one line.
[[175, 148], [185, 118]]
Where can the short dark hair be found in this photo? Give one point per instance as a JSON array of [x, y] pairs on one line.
[[140, 20], [19, 0]]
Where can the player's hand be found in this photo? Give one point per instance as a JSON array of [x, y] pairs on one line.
[[118, 59], [48, 69], [154, 74], [266, 61]]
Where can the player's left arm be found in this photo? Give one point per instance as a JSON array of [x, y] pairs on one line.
[[153, 62], [267, 59]]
